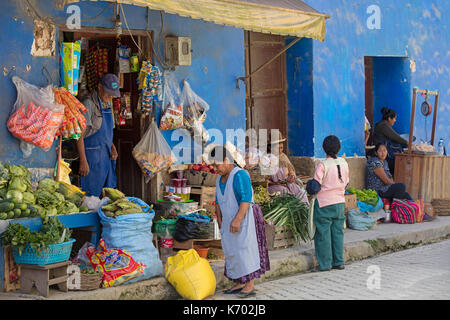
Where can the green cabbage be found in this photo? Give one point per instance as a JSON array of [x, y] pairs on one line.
[[48, 185], [28, 197], [15, 196]]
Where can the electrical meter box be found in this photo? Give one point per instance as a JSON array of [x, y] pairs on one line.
[[177, 51]]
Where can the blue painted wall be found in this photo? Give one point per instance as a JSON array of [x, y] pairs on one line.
[[217, 60], [392, 89], [299, 77], [418, 30]]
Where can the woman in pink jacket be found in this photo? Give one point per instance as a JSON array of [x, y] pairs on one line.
[[333, 176]]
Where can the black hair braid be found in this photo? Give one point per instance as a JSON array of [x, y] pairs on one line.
[[331, 145]]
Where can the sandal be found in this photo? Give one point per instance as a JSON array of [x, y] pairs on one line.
[[232, 291], [247, 294]]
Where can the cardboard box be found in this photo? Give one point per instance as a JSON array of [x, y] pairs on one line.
[[350, 202]]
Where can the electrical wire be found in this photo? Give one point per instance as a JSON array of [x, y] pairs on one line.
[[129, 31]]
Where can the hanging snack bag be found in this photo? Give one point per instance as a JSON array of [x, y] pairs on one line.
[[153, 153], [124, 59], [172, 117], [195, 109], [36, 117], [70, 65]]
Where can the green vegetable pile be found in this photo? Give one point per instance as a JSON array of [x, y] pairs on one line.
[[288, 210], [17, 199], [119, 205], [19, 236], [368, 196]]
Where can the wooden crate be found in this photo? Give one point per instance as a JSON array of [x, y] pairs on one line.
[[205, 196], [200, 178], [278, 237]]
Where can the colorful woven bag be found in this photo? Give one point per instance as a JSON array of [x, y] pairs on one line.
[[420, 211], [404, 211]]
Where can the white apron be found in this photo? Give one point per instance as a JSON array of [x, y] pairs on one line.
[[241, 248]]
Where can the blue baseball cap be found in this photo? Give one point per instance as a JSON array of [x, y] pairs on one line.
[[111, 84]]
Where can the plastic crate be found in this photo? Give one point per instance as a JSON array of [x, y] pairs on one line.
[[58, 252], [160, 226]]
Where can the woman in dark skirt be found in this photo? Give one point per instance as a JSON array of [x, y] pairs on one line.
[[240, 221]]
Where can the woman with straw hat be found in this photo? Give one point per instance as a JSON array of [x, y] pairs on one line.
[[285, 180], [240, 221]]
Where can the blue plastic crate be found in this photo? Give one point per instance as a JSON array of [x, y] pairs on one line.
[[55, 253]]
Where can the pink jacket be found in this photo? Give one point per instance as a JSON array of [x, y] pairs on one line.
[[333, 189]]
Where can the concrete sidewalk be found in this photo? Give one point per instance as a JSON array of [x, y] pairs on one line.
[[299, 258]]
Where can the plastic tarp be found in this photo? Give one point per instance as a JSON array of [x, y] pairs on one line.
[[281, 17]]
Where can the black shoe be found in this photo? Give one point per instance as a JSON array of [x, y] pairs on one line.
[[341, 267], [321, 270], [232, 291], [427, 218], [246, 294]]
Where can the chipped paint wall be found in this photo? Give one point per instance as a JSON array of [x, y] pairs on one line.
[[217, 60], [414, 29]]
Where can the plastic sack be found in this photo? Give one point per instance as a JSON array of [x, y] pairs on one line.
[[191, 276], [153, 153], [367, 207], [82, 258], [36, 117], [117, 265], [359, 220], [132, 232], [192, 226], [172, 117], [194, 109]]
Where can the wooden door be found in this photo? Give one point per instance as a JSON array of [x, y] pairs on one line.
[[266, 90]]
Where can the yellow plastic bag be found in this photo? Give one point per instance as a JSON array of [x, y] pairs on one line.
[[191, 276]]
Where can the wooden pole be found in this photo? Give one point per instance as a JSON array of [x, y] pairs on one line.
[[58, 165], [411, 125], [436, 102]]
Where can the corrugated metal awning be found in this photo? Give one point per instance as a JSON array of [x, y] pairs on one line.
[[282, 17]]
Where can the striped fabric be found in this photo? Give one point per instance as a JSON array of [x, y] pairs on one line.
[[404, 211]]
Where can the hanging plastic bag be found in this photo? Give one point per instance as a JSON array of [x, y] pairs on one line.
[[194, 108], [172, 117], [191, 276], [36, 117], [153, 153]]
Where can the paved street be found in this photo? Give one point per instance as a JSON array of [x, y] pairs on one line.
[[417, 273]]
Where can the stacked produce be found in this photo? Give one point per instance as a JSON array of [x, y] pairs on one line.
[[18, 200], [19, 236], [119, 205], [261, 195], [368, 196], [202, 167], [288, 210]]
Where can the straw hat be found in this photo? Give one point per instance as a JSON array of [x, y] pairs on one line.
[[281, 139], [237, 155]]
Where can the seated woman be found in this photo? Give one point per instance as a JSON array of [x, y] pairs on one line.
[[379, 178], [285, 179], [386, 135]]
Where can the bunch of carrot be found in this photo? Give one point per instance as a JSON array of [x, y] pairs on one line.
[[74, 121]]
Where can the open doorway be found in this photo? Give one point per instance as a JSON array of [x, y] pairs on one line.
[[388, 84], [129, 124]]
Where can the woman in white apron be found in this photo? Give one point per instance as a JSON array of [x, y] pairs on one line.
[[241, 223]]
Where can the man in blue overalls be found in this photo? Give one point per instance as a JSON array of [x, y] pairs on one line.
[[97, 152]]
